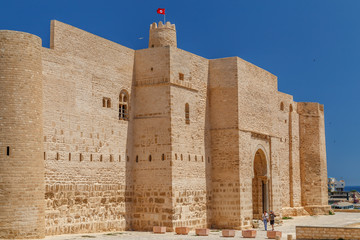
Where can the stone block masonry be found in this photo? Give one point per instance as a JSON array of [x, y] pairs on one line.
[[98, 137], [307, 232], [21, 133]]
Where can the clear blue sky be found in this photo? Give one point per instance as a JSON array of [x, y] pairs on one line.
[[313, 46]]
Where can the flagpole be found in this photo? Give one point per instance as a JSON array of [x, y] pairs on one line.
[[164, 18]]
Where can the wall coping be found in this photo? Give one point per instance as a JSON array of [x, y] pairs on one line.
[[326, 227]]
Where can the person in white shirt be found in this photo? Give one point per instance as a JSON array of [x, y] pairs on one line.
[[265, 218]]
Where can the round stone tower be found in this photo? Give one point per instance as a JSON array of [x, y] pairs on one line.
[[21, 137], [162, 35]]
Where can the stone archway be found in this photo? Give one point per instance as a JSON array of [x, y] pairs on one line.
[[260, 189]]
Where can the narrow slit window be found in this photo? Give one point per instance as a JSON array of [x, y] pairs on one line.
[[187, 113], [8, 151], [80, 157], [90, 157], [69, 156], [150, 158], [57, 156], [111, 158], [137, 159], [282, 106], [101, 158], [163, 157], [44, 155]]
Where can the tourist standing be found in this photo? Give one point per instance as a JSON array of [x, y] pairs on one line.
[[272, 219], [265, 217]]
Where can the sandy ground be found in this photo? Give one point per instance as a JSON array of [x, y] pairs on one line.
[[288, 227]]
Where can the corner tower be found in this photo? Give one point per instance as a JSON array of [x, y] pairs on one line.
[[162, 35], [21, 144], [313, 169]]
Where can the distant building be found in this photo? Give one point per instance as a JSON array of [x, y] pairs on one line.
[[336, 186]]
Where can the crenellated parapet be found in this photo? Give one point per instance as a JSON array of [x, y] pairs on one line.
[[161, 25], [162, 35]]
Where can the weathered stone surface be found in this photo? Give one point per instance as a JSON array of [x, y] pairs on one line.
[[158, 229], [182, 230], [202, 231], [248, 233], [273, 234], [228, 233], [309, 232]]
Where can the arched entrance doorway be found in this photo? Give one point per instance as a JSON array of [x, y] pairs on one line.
[[260, 192]]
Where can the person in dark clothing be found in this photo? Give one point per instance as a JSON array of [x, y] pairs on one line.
[[272, 219]]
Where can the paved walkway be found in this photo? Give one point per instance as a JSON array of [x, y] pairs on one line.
[[288, 227]]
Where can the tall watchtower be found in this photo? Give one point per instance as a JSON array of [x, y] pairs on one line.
[[162, 35], [21, 137]]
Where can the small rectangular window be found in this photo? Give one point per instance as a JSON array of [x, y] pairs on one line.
[[8, 151], [106, 102], [181, 76]]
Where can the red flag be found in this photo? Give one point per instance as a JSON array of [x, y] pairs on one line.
[[161, 11]]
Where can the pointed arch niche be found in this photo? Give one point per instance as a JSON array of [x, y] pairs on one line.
[[260, 182]]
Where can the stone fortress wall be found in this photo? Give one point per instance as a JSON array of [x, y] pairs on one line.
[[196, 142], [86, 146]]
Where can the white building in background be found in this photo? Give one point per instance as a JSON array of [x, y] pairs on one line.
[[335, 185]]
